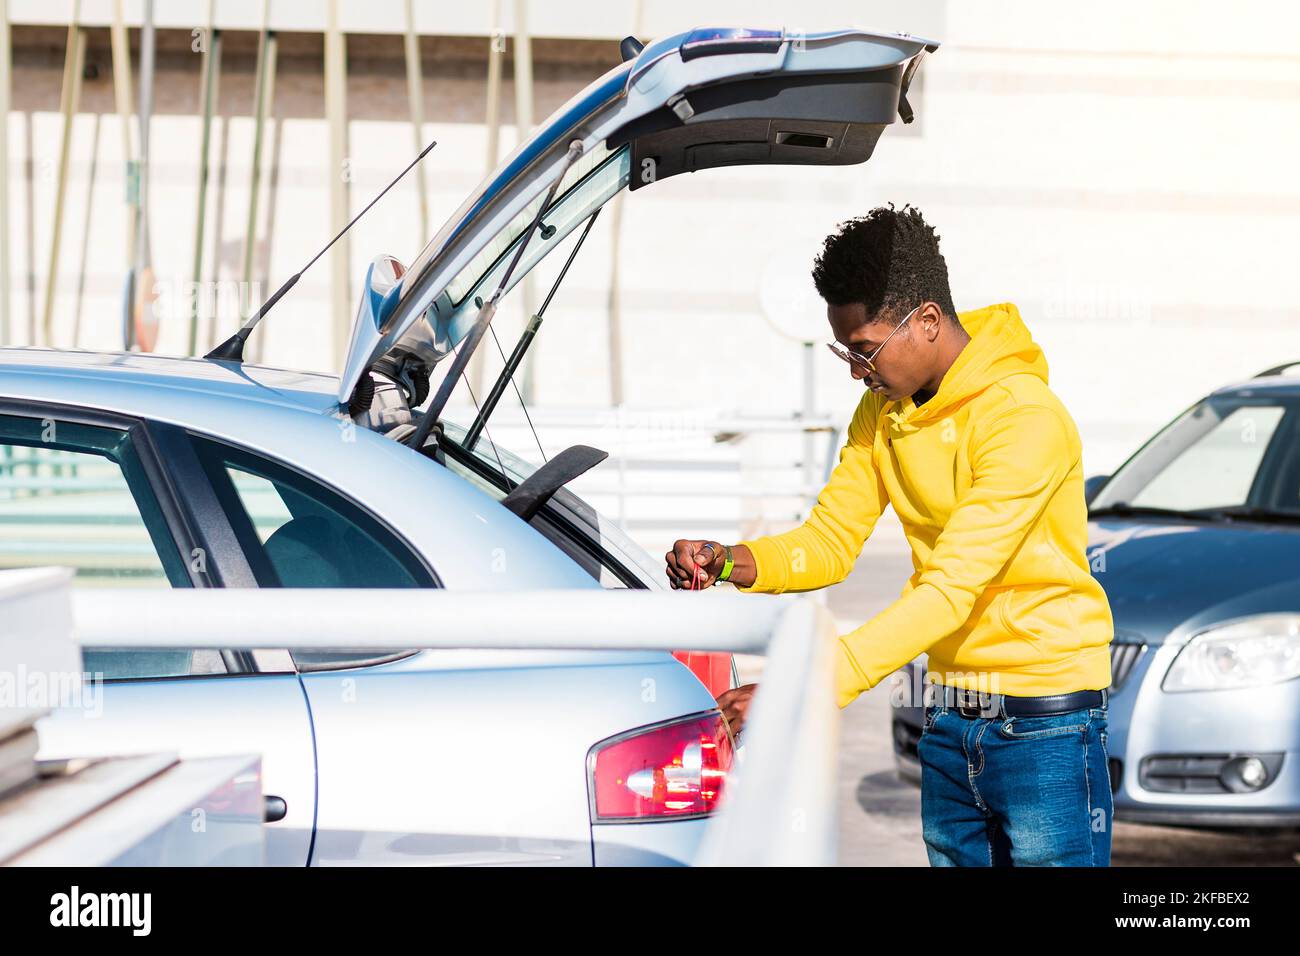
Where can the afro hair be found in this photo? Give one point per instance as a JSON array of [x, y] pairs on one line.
[[886, 259]]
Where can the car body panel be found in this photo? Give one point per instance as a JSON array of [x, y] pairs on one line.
[[649, 844], [1173, 571], [482, 760], [206, 717]]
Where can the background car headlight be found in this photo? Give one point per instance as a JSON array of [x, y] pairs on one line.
[[1246, 653]]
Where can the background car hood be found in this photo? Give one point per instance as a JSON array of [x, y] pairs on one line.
[[1165, 577]]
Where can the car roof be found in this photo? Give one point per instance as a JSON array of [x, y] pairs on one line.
[[1283, 380], [293, 418], [161, 374]]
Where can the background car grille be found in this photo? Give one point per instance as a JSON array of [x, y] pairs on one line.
[[1125, 651]]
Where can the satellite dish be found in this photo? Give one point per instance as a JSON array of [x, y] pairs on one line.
[[787, 296]]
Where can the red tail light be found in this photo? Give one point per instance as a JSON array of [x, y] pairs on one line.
[[673, 770]]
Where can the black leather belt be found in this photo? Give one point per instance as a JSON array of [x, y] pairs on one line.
[[972, 703]]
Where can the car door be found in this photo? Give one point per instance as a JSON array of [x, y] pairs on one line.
[[125, 504], [298, 532]]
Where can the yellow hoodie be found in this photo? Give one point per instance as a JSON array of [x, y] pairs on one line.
[[987, 482]]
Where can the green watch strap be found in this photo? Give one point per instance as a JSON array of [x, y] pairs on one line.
[[726, 565]]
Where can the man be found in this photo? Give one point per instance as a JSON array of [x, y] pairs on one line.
[[960, 434]]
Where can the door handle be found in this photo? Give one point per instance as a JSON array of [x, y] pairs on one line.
[[274, 808]]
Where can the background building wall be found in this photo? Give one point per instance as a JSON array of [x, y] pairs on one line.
[[1127, 178]]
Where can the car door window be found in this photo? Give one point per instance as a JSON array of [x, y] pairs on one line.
[[297, 533], [75, 495], [302, 534]]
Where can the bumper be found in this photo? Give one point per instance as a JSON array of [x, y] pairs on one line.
[[1172, 756], [666, 843], [1175, 753]]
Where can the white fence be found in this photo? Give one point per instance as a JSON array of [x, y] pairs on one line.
[[780, 807]]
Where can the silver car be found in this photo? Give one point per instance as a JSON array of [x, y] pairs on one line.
[[147, 471]]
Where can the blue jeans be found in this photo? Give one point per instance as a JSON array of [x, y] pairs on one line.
[[1015, 791]]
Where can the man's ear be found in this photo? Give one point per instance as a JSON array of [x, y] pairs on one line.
[[931, 317]]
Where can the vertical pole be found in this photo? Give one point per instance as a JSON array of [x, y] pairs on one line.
[[523, 72], [496, 52], [809, 410], [122, 100], [140, 320], [73, 63], [263, 94], [615, 327], [336, 111], [208, 97], [85, 235], [5, 82], [523, 126], [263, 264], [821, 596], [29, 222], [218, 299], [415, 92], [492, 121]]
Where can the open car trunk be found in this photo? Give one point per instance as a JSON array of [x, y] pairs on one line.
[[690, 102]]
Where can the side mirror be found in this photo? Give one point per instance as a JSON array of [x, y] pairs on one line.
[[1093, 485]]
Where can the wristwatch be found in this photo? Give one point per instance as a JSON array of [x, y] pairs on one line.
[[727, 565]]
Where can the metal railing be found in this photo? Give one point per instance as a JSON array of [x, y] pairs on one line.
[[780, 803]]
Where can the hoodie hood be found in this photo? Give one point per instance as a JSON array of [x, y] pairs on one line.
[[1000, 345]]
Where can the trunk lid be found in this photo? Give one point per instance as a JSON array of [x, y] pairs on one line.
[[697, 100]]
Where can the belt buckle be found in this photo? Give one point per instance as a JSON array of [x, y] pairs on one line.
[[980, 707]]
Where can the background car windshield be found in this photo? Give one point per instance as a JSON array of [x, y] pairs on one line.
[[1225, 452]]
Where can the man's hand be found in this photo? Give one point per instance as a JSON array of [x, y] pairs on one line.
[[703, 559], [734, 705]]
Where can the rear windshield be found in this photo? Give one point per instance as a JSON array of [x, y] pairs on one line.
[[589, 183]]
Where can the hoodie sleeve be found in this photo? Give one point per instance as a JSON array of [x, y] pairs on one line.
[[822, 550], [1017, 465]]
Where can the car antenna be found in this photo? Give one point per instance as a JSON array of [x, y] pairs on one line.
[[232, 349]]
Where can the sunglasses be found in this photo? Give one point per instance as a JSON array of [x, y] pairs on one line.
[[867, 362]]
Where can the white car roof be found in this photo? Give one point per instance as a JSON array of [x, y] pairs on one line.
[[306, 391]]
